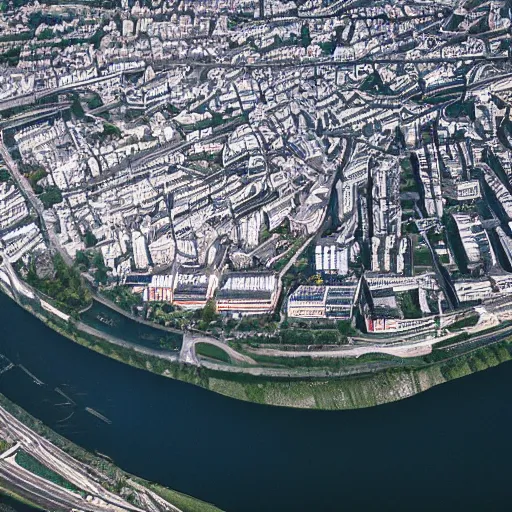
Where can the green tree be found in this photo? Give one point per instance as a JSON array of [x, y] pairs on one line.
[[110, 130], [90, 239], [209, 312], [82, 260], [305, 36], [51, 196], [4, 174]]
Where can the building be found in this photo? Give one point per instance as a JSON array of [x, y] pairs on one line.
[[252, 293], [331, 257], [475, 241], [463, 190], [159, 289], [376, 325], [322, 301], [193, 288], [308, 302]]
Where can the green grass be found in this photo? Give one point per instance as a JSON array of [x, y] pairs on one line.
[[21, 499], [422, 257], [213, 352], [31, 464], [183, 501], [444, 259], [4, 445], [410, 303], [331, 364], [469, 321]]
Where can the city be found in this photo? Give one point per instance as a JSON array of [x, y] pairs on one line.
[[297, 189]]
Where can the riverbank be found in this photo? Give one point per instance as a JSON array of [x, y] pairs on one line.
[[114, 478], [356, 388], [17, 499]]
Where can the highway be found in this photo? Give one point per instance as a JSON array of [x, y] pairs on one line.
[[37, 490], [30, 98], [52, 457], [483, 339], [87, 478]]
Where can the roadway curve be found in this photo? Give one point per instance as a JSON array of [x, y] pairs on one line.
[[54, 458], [188, 353]]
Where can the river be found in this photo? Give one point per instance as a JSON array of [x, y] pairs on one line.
[[446, 449]]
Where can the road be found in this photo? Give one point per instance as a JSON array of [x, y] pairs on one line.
[[30, 98], [164, 66], [188, 354], [37, 490], [420, 348], [52, 457], [27, 191], [484, 339], [443, 280]]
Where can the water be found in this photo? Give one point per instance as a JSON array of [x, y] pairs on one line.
[[111, 322], [446, 449], [8, 504]]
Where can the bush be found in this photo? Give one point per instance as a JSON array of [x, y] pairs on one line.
[[4, 175], [77, 109], [123, 297], [345, 328], [34, 177], [94, 102], [66, 287], [51, 196], [410, 304], [110, 130], [89, 239], [82, 260]]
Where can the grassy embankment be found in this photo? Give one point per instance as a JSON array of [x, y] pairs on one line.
[[212, 352], [21, 499], [363, 390], [31, 464], [366, 389]]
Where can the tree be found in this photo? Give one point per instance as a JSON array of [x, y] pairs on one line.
[[4, 174], [77, 109], [90, 239], [110, 130], [345, 327], [51, 196], [82, 260], [100, 275], [305, 35], [65, 287], [209, 313]]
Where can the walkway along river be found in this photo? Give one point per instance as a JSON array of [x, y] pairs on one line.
[[446, 449]]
